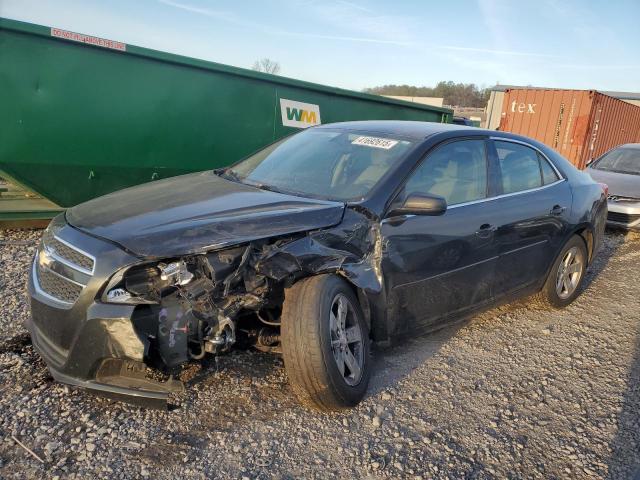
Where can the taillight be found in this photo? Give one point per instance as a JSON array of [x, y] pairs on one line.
[[605, 189]]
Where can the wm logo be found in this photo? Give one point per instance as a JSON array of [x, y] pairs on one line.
[[298, 114], [301, 115]]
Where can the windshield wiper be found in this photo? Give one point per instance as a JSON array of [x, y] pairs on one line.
[[228, 174], [264, 186], [271, 188]]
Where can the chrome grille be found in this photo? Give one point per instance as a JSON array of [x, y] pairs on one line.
[[57, 286], [621, 199], [61, 271], [67, 254]]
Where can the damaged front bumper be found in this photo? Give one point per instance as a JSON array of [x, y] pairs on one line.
[[106, 358], [84, 342], [100, 315]]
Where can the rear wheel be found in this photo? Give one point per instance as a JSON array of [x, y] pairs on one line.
[[325, 343], [566, 276]]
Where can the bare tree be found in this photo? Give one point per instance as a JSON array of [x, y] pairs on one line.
[[266, 65]]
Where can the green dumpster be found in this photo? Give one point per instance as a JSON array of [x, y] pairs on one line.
[[83, 116]]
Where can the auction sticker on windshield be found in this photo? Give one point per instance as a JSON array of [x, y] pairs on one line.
[[375, 142]]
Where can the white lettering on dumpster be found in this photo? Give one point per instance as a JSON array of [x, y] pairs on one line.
[[299, 114], [79, 37]]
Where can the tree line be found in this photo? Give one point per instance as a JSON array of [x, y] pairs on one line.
[[455, 94]]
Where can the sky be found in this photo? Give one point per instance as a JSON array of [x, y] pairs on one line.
[[588, 44]]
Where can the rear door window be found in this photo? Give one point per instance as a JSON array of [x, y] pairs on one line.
[[549, 175], [456, 171], [520, 167]]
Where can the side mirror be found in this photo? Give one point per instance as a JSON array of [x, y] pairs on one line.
[[421, 204]]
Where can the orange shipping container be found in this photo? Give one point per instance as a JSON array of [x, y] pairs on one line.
[[579, 124]]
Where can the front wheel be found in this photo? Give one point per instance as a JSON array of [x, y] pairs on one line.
[[325, 343], [566, 276]]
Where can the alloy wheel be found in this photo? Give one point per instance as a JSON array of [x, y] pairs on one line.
[[346, 339], [569, 273]]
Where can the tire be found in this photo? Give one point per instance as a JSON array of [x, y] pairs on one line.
[[556, 292], [313, 348]]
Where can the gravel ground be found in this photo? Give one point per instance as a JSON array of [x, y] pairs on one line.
[[516, 392]]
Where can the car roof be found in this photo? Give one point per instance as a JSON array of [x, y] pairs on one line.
[[422, 130], [405, 128], [631, 146]]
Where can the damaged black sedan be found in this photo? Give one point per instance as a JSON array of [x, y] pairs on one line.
[[315, 247]]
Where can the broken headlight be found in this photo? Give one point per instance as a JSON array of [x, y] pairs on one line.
[[175, 273], [147, 283]]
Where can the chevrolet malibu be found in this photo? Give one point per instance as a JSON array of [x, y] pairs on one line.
[[315, 248]]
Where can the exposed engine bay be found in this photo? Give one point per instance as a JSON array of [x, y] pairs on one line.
[[191, 306], [201, 304]]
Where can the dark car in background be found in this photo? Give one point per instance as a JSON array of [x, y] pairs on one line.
[[462, 121], [314, 247], [620, 170]]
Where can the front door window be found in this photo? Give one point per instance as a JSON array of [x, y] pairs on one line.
[[456, 171]]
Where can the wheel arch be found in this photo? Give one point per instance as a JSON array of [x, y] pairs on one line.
[[582, 231], [374, 315], [585, 232], [363, 300], [374, 309]]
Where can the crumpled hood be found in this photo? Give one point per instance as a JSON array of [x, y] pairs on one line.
[[197, 212], [620, 184]]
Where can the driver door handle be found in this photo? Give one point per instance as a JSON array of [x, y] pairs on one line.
[[557, 210], [485, 230]]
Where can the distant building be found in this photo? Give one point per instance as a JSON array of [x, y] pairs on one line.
[[433, 101]]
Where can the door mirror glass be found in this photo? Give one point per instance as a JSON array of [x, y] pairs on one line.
[[421, 204]]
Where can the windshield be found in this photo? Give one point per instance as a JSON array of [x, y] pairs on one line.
[[330, 164], [620, 160]]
